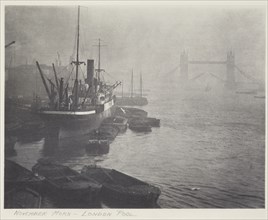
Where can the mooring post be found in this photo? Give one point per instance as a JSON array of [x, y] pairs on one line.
[[230, 70], [184, 66]]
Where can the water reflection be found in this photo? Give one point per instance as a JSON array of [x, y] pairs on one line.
[[71, 147], [98, 150], [76, 151], [215, 142]]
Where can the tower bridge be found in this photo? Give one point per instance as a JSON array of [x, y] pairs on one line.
[[230, 80]]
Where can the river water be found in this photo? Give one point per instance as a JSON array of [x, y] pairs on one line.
[[208, 153]]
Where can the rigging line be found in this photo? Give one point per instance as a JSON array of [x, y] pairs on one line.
[[70, 75], [63, 69], [85, 37], [84, 50], [87, 93], [83, 74], [86, 30], [110, 75], [45, 77], [102, 76], [83, 42], [50, 81], [81, 32], [74, 48], [81, 49]]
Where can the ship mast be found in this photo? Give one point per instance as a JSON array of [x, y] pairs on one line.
[[99, 67], [140, 84], [122, 89], [131, 94], [77, 63], [99, 62]]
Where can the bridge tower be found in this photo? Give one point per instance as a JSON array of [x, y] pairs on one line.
[[184, 66], [230, 71]]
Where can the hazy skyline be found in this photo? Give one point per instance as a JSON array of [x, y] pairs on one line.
[[145, 38]]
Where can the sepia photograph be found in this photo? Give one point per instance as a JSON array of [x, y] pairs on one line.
[[113, 108]]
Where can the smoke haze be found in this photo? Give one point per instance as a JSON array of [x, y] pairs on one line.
[[148, 39]]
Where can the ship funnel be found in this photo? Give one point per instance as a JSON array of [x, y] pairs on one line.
[[90, 72]]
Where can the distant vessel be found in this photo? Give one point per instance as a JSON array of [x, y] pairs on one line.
[[247, 92], [260, 95], [132, 100], [77, 110]]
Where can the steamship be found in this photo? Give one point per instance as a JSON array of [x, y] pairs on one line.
[[78, 109]]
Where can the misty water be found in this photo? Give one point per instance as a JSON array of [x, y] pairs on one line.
[[208, 153]]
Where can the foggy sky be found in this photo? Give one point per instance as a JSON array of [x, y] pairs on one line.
[[145, 38]]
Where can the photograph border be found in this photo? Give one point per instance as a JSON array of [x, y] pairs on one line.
[[123, 213]]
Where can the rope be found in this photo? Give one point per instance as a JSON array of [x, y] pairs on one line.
[[102, 77], [65, 68], [83, 43], [111, 75], [74, 48], [86, 94], [70, 75], [83, 74]]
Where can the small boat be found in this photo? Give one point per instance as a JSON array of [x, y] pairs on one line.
[[130, 112], [104, 132], [98, 143], [119, 189], [260, 95], [97, 146], [141, 127], [16, 175], [22, 198], [247, 92], [117, 121], [66, 183], [153, 122]]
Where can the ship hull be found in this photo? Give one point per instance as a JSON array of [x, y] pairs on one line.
[[63, 125]]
